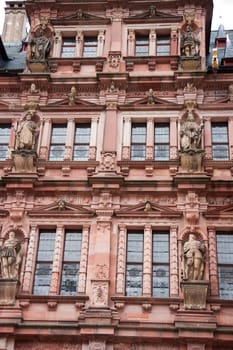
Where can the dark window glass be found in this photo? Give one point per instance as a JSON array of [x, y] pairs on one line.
[[58, 141], [162, 136], [90, 46], [134, 264], [81, 142], [220, 147], [68, 47], [225, 265], [5, 130], [160, 261], [44, 262], [70, 265], [141, 45], [138, 141], [163, 45]]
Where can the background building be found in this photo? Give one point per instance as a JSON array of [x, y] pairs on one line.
[[116, 163]]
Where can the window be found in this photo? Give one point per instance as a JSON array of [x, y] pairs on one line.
[[68, 47], [220, 141], [134, 263], [163, 45], [138, 141], [225, 264], [141, 45], [90, 46], [58, 141], [5, 130], [160, 261], [161, 147], [44, 262], [81, 142], [70, 264]]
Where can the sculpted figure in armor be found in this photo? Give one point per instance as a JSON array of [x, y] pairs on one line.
[[190, 134], [40, 47], [10, 257], [194, 259], [26, 133], [190, 46]]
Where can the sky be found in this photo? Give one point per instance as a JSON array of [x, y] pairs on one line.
[[223, 10]]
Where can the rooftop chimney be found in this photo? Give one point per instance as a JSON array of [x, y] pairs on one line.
[[14, 28]]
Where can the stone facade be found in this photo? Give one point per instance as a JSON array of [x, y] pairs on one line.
[[115, 148]]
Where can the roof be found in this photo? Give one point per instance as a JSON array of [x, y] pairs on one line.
[[12, 58]]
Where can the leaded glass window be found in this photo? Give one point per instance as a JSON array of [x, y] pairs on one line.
[[70, 264], [134, 265], [68, 47], [81, 142], [5, 130], [90, 46], [160, 264], [58, 142], [138, 141], [225, 264], [220, 147], [141, 45], [44, 262], [163, 45], [161, 138]]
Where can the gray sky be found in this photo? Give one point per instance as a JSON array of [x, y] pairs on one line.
[[223, 10]]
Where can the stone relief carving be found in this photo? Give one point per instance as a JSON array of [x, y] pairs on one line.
[[10, 257], [36, 345], [194, 252], [94, 345], [100, 293], [101, 271], [114, 59]]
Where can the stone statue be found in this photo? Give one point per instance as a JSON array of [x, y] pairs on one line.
[[190, 134], [190, 46], [72, 96], [194, 259], [40, 47], [26, 133], [10, 257]]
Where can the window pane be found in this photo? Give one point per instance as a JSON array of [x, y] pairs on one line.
[[69, 278], [162, 140], [90, 47], [44, 262], [220, 147], [58, 141], [163, 45], [68, 47], [162, 152], [225, 265], [142, 45], [134, 264], [138, 141], [138, 152], [58, 135], [160, 260], [4, 140], [133, 280], [220, 152], [70, 265], [81, 152], [81, 142]]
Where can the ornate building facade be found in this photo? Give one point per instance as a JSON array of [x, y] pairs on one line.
[[116, 164]]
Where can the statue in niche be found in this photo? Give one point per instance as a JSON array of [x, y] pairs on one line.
[[190, 45], [194, 259], [10, 257], [190, 134], [40, 47], [26, 133], [72, 96]]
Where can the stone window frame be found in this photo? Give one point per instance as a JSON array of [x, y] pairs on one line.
[[57, 258], [151, 120], [147, 269], [70, 122]]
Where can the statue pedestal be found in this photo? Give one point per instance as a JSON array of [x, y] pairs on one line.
[[24, 160], [38, 66], [195, 294], [191, 160], [190, 63], [8, 288]]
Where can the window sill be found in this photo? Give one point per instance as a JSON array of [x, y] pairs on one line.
[[151, 61], [76, 62]]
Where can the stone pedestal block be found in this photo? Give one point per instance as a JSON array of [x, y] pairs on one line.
[[24, 160], [191, 160], [190, 63], [195, 294], [38, 67], [8, 288]]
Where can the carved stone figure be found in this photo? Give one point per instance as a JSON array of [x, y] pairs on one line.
[[26, 133], [72, 96], [190, 45], [190, 134], [10, 257], [194, 259], [40, 47]]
